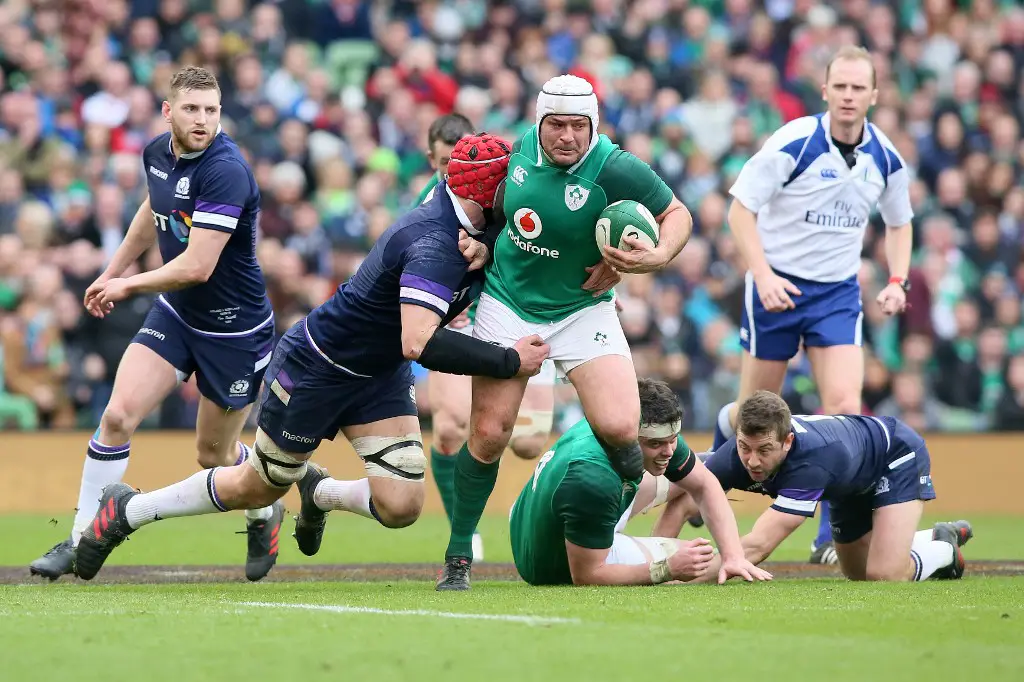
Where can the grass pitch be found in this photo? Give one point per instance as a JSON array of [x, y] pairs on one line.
[[394, 629]]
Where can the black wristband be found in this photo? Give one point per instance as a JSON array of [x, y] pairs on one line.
[[454, 353]]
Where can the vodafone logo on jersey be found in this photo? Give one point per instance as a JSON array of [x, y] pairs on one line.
[[528, 223]]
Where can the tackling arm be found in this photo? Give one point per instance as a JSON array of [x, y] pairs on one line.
[[443, 350]]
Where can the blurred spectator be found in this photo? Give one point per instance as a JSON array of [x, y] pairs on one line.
[[331, 102]]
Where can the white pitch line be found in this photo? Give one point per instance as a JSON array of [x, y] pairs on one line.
[[508, 618]]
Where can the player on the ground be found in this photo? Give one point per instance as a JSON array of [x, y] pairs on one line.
[[566, 524], [874, 471], [548, 277], [800, 208], [450, 393], [212, 318], [346, 367]]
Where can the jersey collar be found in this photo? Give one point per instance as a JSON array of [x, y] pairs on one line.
[[866, 136], [460, 212], [193, 155]]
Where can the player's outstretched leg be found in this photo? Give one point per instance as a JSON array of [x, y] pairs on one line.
[[258, 482]]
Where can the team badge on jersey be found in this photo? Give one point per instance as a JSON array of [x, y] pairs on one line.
[[181, 189], [576, 196], [528, 223]]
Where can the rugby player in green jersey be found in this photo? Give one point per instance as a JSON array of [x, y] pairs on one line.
[[566, 525]]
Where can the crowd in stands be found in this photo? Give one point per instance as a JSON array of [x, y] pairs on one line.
[[331, 100]]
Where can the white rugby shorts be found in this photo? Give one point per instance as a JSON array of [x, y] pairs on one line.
[[590, 333], [546, 376]]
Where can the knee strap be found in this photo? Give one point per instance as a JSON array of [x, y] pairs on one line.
[[399, 458], [277, 468]]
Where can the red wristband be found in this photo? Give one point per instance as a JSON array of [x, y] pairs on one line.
[[896, 280]]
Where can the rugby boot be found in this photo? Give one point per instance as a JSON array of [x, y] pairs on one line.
[[696, 521], [962, 529], [108, 530], [262, 538], [825, 553], [951, 533], [455, 575], [56, 562], [310, 523]]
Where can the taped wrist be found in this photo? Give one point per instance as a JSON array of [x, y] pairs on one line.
[[660, 571], [453, 353]]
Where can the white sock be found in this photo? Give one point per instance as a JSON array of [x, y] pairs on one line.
[[353, 496], [723, 421], [104, 464], [931, 557], [263, 513], [194, 496], [922, 538]]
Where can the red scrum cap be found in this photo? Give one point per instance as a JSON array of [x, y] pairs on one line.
[[477, 167]]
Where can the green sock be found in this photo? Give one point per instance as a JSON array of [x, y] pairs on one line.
[[474, 482], [442, 466]]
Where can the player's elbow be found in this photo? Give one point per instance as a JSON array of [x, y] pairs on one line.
[[198, 272], [412, 346]]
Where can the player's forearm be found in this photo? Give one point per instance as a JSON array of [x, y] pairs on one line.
[[140, 236], [717, 513], [675, 230], [614, 574], [899, 245], [179, 273], [743, 224]]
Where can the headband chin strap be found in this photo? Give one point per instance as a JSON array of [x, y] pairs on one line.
[[660, 430]]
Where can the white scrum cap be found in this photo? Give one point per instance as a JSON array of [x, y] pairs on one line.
[[569, 95]]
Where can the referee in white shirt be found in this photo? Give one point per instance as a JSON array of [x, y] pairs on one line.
[[800, 208]]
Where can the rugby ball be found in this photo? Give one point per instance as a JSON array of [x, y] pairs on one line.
[[626, 219]]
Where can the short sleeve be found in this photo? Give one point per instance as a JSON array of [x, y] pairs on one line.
[[769, 169], [431, 272], [624, 176], [801, 491], [682, 462], [222, 197], [894, 204], [587, 501]]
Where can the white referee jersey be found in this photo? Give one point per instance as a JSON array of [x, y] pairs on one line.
[[811, 208]]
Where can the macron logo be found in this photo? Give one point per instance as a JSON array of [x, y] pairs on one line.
[[159, 173]]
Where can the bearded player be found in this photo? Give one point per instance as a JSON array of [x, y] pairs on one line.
[[874, 471], [801, 205], [346, 367], [212, 317], [566, 524], [450, 394], [548, 277]]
